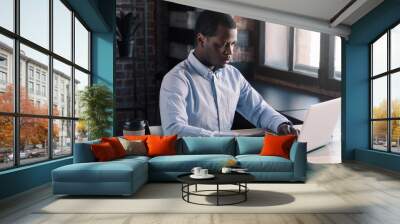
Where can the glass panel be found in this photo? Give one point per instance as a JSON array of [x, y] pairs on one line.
[[62, 29], [379, 135], [6, 74], [395, 47], [395, 94], [379, 98], [62, 138], [81, 131], [395, 136], [276, 45], [6, 142], [62, 89], [379, 55], [338, 57], [81, 45], [33, 139], [34, 97], [307, 51], [35, 21], [7, 14], [81, 81]]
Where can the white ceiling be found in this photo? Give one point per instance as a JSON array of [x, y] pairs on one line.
[[320, 9], [317, 15]]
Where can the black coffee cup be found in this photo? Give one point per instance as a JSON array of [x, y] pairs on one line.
[[136, 126]]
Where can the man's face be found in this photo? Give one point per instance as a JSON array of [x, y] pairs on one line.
[[218, 49]]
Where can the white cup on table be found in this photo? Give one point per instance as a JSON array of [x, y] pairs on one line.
[[203, 172], [196, 170]]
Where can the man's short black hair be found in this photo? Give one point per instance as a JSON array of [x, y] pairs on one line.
[[208, 22]]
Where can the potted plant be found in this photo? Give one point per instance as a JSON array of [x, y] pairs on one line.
[[96, 103]]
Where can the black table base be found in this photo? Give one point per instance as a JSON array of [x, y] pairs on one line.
[[241, 191]]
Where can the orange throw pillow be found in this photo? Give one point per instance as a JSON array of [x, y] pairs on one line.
[[136, 137], [161, 145], [103, 152], [116, 145], [277, 145]]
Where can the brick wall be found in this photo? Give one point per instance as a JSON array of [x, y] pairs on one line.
[[136, 87]]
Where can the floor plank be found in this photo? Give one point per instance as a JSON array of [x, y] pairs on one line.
[[376, 189]]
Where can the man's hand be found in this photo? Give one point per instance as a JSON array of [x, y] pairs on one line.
[[287, 129]]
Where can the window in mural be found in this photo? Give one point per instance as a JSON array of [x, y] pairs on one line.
[[43, 114], [385, 94]]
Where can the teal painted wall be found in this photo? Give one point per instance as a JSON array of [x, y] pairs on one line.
[[27, 177], [91, 12], [99, 15], [356, 83], [103, 56], [379, 159], [356, 99], [103, 66]]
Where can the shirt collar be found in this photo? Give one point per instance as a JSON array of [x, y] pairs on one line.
[[200, 67]]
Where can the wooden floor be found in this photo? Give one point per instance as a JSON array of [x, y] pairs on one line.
[[377, 188]]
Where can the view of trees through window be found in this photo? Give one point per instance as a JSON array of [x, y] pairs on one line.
[[38, 113], [385, 94]]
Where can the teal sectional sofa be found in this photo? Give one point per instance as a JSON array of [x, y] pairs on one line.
[[125, 176]]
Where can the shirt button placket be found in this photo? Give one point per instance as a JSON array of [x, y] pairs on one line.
[[216, 94]]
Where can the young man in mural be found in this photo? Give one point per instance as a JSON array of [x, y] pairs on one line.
[[200, 95]]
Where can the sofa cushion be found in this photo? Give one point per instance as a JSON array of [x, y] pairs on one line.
[[133, 147], [257, 163], [249, 145], [83, 152], [132, 158], [161, 145], [208, 145], [103, 151], [116, 145], [277, 145], [135, 137], [111, 171], [185, 163]]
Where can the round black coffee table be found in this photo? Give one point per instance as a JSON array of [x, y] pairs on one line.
[[238, 179]]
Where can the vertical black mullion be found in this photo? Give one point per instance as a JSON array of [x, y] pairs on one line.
[[291, 49], [322, 53], [389, 106], [371, 136], [73, 82], [146, 70], [90, 51], [326, 68], [50, 77], [90, 58], [16, 84]]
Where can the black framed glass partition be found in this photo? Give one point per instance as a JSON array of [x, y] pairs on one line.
[[40, 55], [384, 91]]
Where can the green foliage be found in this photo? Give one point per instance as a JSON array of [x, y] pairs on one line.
[[380, 127], [96, 102]]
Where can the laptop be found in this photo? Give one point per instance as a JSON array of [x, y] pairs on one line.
[[319, 124]]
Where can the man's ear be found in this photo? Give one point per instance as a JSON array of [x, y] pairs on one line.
[[201, 39]]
